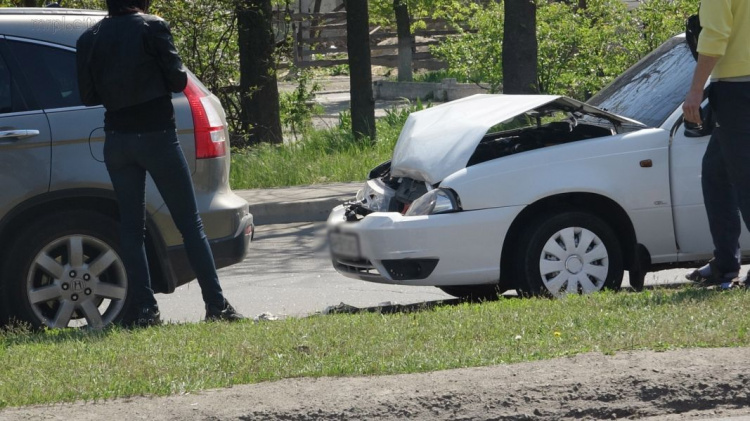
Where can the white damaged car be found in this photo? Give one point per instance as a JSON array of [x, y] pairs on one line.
[[542, 194]]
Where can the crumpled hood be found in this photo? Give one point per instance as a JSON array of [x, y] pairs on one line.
[[439, 141]]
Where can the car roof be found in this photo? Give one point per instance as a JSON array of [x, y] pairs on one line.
[[49, 24]]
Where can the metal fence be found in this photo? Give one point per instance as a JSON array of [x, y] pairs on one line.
[[319, 40]]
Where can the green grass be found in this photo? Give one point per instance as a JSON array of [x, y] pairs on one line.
[[437, 76], [322, 156], [328, 158], [69, 365]]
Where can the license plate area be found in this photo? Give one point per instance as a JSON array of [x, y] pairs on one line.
[[344, 244]]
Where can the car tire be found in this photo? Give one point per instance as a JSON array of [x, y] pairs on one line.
[[65, 270], [570, 252], [489, 292]]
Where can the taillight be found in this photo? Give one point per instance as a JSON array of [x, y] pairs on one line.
[[210, 133]]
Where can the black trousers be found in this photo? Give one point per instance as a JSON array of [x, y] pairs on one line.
[[128, 157], [726, 171]]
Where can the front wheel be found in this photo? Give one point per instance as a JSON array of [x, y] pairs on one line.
[[65, 270], [571, 252]]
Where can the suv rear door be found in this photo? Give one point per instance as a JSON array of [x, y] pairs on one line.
[[51, 70], [77, 139], [24, 138]]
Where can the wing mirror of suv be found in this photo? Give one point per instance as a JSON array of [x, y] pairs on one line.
[[703, 129]]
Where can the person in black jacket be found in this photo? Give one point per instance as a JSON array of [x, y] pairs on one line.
[[128, 63]]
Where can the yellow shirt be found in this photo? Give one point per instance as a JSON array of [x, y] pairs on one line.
[[726, 34]]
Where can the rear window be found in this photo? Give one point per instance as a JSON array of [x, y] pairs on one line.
[[652, 89]]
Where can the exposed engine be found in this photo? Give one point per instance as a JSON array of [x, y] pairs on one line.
[[500, 144], [384, 193]]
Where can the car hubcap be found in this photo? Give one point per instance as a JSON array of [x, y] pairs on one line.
[[77, 279], [574, 260]]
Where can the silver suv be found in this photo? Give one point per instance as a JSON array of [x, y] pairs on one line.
[[60, 260]]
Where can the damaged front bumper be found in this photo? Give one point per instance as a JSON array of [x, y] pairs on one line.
[[388, 247]]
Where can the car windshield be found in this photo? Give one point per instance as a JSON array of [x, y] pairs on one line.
[[651, 90]]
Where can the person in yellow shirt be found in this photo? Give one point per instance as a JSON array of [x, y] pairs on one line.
[[724, 55]]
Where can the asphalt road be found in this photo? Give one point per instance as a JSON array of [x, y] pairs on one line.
[[287, 272]]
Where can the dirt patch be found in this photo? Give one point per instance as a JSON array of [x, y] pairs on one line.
[[696, 383]]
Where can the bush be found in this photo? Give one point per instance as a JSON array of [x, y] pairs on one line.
[[298, 107], [580, 50], [475, 55], [205, 34], [327, 155]]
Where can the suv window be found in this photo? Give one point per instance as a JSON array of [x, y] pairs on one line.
[[6, 100], [50, 71], [11, 100]]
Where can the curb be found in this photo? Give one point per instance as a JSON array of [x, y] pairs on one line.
[[297, 204], [286, 213]]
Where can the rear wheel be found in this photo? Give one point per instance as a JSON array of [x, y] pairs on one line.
[[65, 270], [474, 292], [571, 252]]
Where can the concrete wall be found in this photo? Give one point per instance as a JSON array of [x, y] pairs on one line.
[[447, 90]]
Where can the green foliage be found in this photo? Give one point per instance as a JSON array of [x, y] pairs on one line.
[[339, 70], [454, 11], [437, 76], [205, 34], [334, 70], [475, 56], [325, 155], [76, 4], [297, 107], [396, 117], [659, 19], [580, 50]]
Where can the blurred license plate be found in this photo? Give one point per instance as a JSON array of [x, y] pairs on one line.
[[344, 244]]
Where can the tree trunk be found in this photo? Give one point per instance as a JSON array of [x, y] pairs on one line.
[[405, 41], [520, 48], [259, 92], [360, 79]]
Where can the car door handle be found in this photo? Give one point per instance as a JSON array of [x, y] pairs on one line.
[[18, 134]]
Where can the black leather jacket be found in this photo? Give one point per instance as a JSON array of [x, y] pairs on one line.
[[128, 60]]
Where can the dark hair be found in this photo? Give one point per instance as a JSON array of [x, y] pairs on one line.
[[125, 7]]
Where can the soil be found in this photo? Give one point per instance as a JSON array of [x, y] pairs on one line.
[[672, 385]]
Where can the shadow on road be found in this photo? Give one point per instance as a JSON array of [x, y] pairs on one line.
[[389, 308]]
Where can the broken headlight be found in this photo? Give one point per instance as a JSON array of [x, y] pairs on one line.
[[375, 196], [435, 201]]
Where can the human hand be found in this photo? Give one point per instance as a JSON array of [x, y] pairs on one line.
[[692, 105]]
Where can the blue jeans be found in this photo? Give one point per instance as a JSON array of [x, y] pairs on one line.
[[726, 171], [128, 157]]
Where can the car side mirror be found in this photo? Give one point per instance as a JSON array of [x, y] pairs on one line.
[[704, 129]]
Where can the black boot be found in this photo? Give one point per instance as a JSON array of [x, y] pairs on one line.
[[148, 316], [228, 313]]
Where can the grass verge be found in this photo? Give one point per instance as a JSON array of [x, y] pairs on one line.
[[70, 365], [323, 156]]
